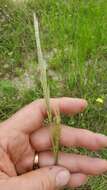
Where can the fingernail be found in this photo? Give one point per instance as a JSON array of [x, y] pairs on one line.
[[62, 178], [85, 103], [103, 137]]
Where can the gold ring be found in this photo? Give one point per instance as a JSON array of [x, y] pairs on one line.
[[36, 161]]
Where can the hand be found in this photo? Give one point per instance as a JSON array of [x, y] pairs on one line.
[[24, 133]]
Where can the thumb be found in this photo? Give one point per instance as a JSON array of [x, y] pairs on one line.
[[49, 178]]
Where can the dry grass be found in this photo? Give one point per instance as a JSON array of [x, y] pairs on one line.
[[56, 122]]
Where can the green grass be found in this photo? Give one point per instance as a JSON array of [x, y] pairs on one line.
[[74, 41]]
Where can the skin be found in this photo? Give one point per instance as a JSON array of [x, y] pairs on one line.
[[24, 133]]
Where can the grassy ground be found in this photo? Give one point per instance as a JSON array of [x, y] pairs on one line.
[[74, 41]]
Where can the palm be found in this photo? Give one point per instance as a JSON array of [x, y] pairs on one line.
[[22, 152], [19, 152]]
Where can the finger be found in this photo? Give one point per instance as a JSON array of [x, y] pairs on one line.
[[77, 179], [41, 179], [41, 139], [31, 117], [75, 163]]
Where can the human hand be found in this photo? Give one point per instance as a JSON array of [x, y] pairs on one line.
[[24, 133]]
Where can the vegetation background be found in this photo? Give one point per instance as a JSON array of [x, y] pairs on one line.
[[74, 41]]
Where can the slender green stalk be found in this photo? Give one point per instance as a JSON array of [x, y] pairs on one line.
[[56, 122]]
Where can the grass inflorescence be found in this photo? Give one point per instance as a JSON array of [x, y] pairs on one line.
[[56, 122]]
